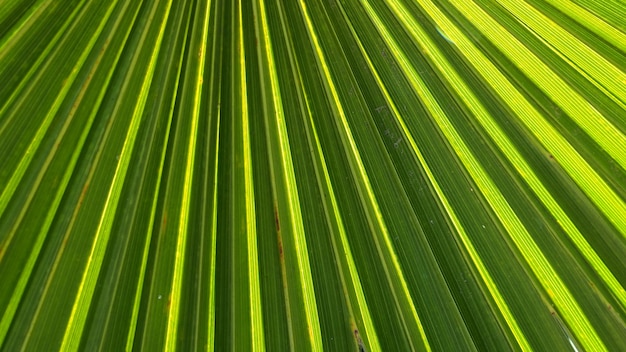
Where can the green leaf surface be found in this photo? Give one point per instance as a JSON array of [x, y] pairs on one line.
[[342, 175]]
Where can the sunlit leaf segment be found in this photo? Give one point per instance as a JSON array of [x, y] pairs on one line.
[[309, 175]]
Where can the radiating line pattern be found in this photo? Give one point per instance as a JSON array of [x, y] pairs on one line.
[[308, 175]]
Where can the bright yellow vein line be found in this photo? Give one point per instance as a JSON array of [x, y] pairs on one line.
[[256, 316], [15, 35], [482, 270], [306, 279], [608, 77], [363, 174], [12, 306], [558, 292], [34, 144], [212, 292], [216, 51], [591, 21], [35, 67], [130, 338], [78, 317], [520, 164], [25, 275], [370, 332], [183, 222], [576, 107], [580, 171]]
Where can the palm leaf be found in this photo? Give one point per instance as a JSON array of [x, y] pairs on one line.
[[313, 175]]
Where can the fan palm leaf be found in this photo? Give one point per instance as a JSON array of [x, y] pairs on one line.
[[303, 175]]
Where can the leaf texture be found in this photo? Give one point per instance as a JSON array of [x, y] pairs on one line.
[[306, 175]]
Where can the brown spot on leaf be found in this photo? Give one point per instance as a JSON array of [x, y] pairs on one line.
[[82, 195], [168, 304], [276, 220], [359, 341], [278, 236]]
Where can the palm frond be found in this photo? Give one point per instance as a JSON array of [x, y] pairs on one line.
[[313, 175]]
